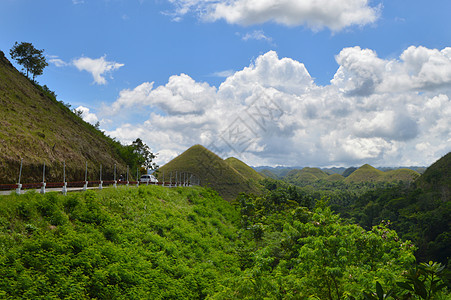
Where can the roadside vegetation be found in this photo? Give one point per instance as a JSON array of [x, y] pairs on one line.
[[188, 243]]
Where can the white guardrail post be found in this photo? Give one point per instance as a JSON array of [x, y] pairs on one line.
[[43, 180], [64, 179]]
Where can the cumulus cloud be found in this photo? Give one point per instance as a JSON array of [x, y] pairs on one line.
[[315, 14], [378, 111], [87, 115], [362, 72], [98, 67]]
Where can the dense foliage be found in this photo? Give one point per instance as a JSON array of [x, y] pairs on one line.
[[32, 59], [187, 243], [146, 243]]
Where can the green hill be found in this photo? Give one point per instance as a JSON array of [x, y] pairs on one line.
[[305, 176], [38, 128], [420, 212], [243, 169], [401, 174], [212, 170], [348, 171], [437, 178], [438, 174], [365, 173], [268, 174], [335, 177]]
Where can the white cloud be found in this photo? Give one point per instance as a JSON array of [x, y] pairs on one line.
[[258, 35], [223, 74], [378, 111], [98, 67], [87, 115], [361, 72], [58, 62], [315, 14]]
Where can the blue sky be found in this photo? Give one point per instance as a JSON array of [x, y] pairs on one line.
[[343, 82]]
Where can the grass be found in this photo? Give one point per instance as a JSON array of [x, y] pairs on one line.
[[365, 173], [37, 127], [243, 169]]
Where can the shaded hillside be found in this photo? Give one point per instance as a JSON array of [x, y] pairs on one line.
[[212, 170], [246, 171], [267, 174], [401, 174], [348, 171], [38, 128], [437, 178]]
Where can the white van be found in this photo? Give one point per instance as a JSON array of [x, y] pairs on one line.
[[147, 178]]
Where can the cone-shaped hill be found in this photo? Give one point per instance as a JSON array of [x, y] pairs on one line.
[[212, 170], [437, 178], [365, 173], [37, 128], [243, 169], [306, 175], [401, 174], [334, 177]]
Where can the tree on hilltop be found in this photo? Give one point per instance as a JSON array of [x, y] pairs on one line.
[[32, 59]]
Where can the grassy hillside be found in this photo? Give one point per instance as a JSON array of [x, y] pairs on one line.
[[438, 177], [334, 177], [243, 169], [305, 176], [212, 170], [365, 173], [36, 127], [407, 175]]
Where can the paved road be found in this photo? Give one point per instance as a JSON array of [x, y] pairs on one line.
[[71, 189], [48, 190]]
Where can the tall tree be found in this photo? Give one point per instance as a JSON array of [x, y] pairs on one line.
[[146, 157], [32, 59]]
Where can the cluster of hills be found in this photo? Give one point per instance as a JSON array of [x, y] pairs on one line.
[[365, 173], [229, 177]]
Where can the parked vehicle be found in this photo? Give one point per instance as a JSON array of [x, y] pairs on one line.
[[147, 178]]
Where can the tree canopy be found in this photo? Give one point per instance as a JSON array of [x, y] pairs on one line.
[[32, 59]]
